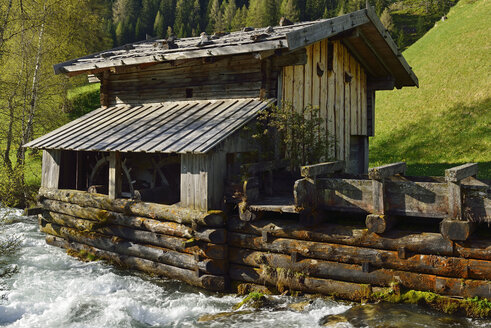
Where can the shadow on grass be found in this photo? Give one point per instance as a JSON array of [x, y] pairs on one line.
[[438, 169], [439, 140]]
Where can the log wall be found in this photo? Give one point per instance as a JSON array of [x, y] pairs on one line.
[[205, 250], [166, 240], [240, 76]]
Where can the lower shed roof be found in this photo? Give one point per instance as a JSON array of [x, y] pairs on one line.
[[171, 127]]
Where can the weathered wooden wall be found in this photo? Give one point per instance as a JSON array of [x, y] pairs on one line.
[[51, 168], [203, 180], [239, 76], [335, 82]]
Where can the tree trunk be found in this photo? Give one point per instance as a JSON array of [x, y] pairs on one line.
[[28, 128], [3, 27]]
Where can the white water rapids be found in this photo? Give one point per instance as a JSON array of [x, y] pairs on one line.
[[52, 289]]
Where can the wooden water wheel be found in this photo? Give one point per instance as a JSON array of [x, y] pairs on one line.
[[103, 162]]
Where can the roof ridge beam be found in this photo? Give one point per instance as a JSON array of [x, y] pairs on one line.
[[326, 29]]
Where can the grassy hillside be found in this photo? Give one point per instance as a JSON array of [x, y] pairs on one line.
[[447, 120]]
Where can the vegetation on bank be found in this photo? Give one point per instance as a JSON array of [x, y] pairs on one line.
[[447, 120]]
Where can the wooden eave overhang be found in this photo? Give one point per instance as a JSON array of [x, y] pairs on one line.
[[361, 32]]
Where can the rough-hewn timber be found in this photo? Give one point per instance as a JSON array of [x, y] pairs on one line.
[[131, 207]]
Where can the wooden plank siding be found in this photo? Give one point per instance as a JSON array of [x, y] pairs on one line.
[[51, 168], [340, 93], [228, 77], [202, 180]]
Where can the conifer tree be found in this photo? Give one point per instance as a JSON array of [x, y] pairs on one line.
[[167, 10], [158, 25], [181, 24], [139, 31], [240, 19], [386, 19], [214, 15], [401, 40], [148, 13], [314, 9], [289, 10], [195, 18], [119, 33], [229, 11], [262, 13]]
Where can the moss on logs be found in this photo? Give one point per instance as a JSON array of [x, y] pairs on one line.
[[209, 282], [73, 215], [355, 273], [431, 264], [415, 242], [472, 307], [121, 246], [135, 208], [284, 280]]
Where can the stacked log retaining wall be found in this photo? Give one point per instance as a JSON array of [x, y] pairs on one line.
[[210, 251], [181, 244]]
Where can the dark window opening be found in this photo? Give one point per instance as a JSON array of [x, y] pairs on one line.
[[189, 93]]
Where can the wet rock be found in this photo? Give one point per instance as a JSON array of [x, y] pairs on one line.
[[385, 315], [254, 300], [246, 288], [221, 315], [333, 320], [300, 306]]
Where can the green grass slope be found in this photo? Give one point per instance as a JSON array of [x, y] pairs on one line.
[[447, 121]]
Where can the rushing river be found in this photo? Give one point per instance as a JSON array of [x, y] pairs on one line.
[[52, 289]]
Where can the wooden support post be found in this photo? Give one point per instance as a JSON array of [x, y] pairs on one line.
[[114, 175], [454, 228], [378, 222], [378, 196], [453, 177]]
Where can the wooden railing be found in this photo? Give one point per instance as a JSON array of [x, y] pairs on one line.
[[387, 194]]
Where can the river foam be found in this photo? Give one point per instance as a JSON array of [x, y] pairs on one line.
[[52, 289]]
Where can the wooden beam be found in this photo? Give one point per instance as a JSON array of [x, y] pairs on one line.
[[51, 168], [374, 52], [385, 171], [312, 171], [326, 29], [74, 67], [372, 15], [347, 43], [115, 177], [386, 83], [379, 223], [455, 174], [456, 230]]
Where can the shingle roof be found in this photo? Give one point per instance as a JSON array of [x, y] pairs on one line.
[[371, 39], [171, 127]]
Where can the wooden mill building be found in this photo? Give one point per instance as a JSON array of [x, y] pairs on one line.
[[172, 110], [166, 177]]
